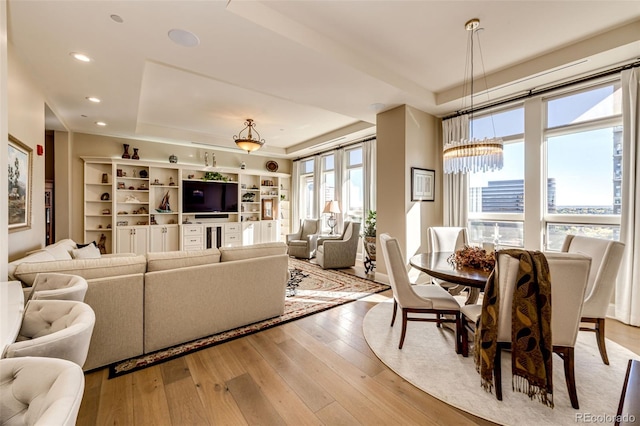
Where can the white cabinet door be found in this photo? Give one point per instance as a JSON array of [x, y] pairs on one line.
[[269, 231], [132, 239], [164, 238], [251, 233]]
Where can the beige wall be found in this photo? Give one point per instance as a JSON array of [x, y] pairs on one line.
[[86, 145], [26, 123], [406, 137], [4, 130]]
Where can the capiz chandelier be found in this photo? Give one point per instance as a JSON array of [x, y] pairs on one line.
[[473, 155], [248, 142]]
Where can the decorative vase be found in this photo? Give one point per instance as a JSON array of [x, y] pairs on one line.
[[370, 257], [173, 158], [135, 154], [126, 151]]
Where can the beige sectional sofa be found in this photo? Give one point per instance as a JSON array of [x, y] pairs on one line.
[[146, 303]]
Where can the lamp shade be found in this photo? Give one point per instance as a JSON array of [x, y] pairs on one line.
[[331, 207]]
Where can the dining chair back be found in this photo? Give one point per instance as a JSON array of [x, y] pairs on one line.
[[606, 257], [424, 299], [448, 239]]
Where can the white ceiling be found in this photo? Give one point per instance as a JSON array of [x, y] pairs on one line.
[[307, 72]]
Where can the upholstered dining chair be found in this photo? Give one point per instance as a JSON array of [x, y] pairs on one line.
[[54, 329], [568, 273], [52, 286], [606, 257], [432, 299], [339, 253], [40, 391], [302, 244], [447, 238]]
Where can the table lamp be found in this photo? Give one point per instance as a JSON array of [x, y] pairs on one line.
[[332, 207]]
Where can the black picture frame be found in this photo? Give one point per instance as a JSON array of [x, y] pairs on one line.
[[423, 184]]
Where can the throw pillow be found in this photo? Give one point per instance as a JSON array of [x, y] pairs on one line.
[[88, 252], [59, 252], [85, 245]]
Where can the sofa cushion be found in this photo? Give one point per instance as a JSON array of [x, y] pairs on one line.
[[228, 254], [62, 249], [162, 261], [37, 256], [86, 268], [87, 252]]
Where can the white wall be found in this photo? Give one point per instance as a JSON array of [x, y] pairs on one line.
[[26, 106], [4, 130]]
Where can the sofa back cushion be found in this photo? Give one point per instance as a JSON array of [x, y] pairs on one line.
[[162, 261], [228, 254], [106, 266]]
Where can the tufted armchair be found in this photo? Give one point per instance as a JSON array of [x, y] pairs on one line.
[[41, 391], [51, 286], [606, 257], [303, 243], [54, 329], [340, 253]]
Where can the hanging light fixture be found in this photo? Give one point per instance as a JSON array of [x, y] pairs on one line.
[[473, 155], [248, 142]]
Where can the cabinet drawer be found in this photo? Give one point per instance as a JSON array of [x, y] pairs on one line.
[[232, 238], [192, 230], [232, 227], [192, 240]]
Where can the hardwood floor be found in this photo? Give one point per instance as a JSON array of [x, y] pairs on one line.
[[316, 370]]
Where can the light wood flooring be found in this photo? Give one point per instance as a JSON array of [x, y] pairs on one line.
[[316, 370]]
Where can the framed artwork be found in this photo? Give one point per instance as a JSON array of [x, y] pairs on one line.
[[268, 209], [20, 173], [423, 184]]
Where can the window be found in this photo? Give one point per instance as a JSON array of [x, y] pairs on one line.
[[496, 199], [580, 139], [355, 186], [328, 190], [307, 208], [583, 146]]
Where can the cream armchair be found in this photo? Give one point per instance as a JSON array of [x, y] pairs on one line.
[[339, 253], [303, 243], [54, 329], [606, 257], [51, 286], [40, 391]]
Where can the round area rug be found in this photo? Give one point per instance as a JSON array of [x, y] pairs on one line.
[[428, 361]]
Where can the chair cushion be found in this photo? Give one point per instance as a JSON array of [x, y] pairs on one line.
[[438, 298]]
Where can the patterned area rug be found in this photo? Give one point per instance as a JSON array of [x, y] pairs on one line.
[[311, 289]]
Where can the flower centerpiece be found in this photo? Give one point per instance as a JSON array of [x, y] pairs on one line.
[[473, 257]]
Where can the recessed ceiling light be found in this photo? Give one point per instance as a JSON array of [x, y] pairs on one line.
[[184, 38], [93, 99], [117, 18], [101, 123], [80, 57]]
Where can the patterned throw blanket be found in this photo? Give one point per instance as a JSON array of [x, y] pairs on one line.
[[531, 347]]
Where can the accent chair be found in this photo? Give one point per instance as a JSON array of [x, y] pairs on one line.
[[339, 253], [52, 286], [40, 391], [54, 329], [606, 257], [303, 243], [419, 299]]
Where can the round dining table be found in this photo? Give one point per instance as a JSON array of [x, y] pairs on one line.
[[436, 265]]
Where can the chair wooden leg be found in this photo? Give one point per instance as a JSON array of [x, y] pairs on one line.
[[497, 372], [395, 310], [600, 339], [569, 375], [438, 320], [459, 333], [404, 328]]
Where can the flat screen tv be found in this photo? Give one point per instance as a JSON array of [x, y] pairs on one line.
[[214, 197]]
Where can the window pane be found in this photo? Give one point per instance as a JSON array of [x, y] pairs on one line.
[[557, 231], [328, 162], [306, 197], [510, 234], [355, 157], [584, 106], [307, 167], [328, 184], [355, 193], [506, 123], [585, 172], [503, 190]]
